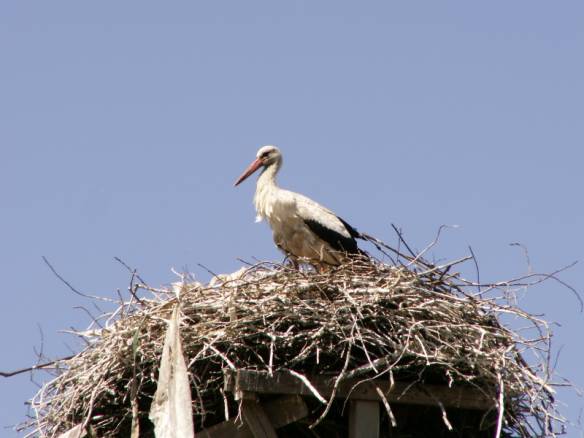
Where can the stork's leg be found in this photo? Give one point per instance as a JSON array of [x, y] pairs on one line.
[[289, 257], [293, 262]]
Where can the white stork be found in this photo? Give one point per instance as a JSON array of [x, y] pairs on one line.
[[303, 229]]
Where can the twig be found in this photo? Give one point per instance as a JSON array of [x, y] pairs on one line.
[[130, 270], [431, 244], [34, 367], [501, 407], [387, 407], [476, 263], [65, 281], [338, 380], [526, 253], [309, 385], [402, 240], [207, 269]]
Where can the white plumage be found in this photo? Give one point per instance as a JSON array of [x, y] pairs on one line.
[[302, 228]]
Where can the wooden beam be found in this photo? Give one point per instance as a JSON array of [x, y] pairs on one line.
[[401, 392], [257, 420], [281, 411], [363, 419], [285, 410], [226, 429]]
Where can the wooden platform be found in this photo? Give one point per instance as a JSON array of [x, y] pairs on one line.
[[366, 399]]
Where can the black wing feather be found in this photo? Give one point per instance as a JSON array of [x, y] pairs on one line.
[[352, 231], [337, 241]]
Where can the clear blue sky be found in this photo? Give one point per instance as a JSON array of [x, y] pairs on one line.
[[124, 124]]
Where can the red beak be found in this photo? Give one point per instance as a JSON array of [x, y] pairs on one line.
[[251, 169]]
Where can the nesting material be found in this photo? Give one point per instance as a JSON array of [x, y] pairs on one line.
[[408, 322]]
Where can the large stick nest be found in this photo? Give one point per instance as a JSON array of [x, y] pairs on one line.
[[366, 319]]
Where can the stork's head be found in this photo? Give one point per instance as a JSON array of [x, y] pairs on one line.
[[267, 156]]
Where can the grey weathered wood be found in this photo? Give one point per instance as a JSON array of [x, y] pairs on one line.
[[281, 411], [401, 392], [257, 420], [227, 429], [286, 410], [364, 419]]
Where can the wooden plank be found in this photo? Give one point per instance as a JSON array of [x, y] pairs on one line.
[[364, 419], [281, 411], [286, 410], [401, 392], [257, 420], [227, 429]]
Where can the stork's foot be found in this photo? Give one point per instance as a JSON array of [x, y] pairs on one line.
[[322, 268]]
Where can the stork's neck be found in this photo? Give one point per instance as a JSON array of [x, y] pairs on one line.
[[266, 189], [268, 176]]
